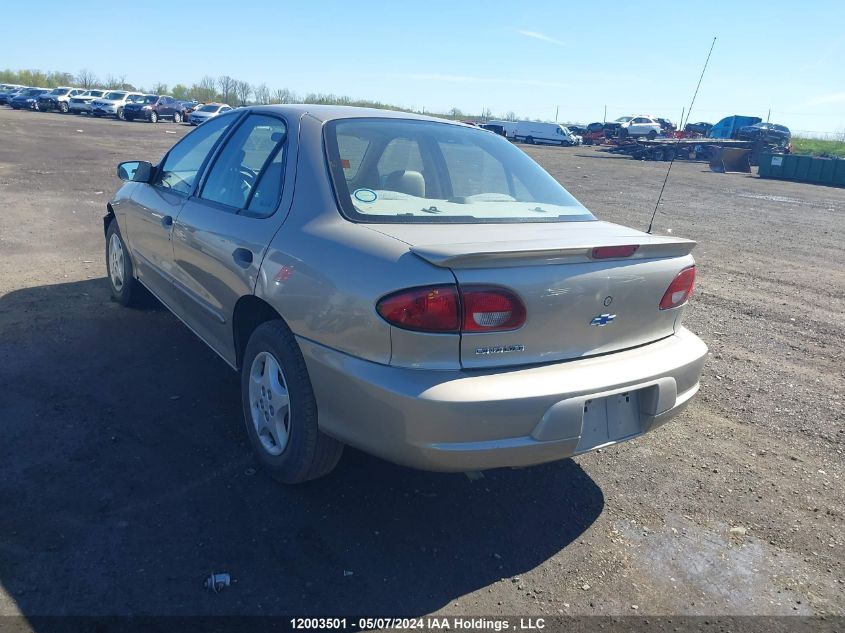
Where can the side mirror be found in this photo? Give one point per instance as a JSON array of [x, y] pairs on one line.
[[135, 171]]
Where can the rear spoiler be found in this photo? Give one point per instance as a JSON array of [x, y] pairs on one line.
[[541, 252]]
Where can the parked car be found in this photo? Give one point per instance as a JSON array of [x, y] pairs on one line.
[[611, 128], [152, 108], [27, 99], [593, 133], [58, 99], [765, 132], [113, 103], [579, 130], [81, 103], [207, 111], [698, 128], [188, 107], [389, 298], [639, 126], [494, 127], [7, 95], [508, 128], [532, 132]]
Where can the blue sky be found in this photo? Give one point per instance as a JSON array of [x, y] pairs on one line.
[[526, 57]]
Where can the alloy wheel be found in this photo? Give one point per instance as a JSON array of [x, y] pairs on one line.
[[269, 403]]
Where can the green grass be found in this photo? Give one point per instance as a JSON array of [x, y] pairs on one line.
[[818, 147]]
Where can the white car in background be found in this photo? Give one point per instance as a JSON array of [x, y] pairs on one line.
[[111, 104], [82, 102], [639, 126], [205, 112]]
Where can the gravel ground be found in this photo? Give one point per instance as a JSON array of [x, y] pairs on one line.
[[127, 477]]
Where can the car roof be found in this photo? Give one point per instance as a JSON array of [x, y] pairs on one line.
[[332, 112]]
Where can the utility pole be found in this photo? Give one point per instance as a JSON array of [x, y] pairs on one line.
[[605, 115], [557, 109], [769, 115], [681, 122]]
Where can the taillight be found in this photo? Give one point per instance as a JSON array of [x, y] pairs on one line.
[[428, 309], [679, 290], [490, 309], [606, 252], [446, 309]]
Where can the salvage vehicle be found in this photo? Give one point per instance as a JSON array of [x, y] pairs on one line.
[[701, 128], [81, 103], [639, 126], [772, 133], [730, 126], [152, 108], [416, 288], [208, 111], [27, 99], [58, 99], [113, 103], [7, 94], [533, 132]]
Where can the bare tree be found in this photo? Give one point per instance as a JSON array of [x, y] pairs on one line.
[[244, 90], [111, 82], [283, 95], [262, 94], [160, 88], [228, 88], [456, 112], [486, 113], [87, 79], [205, 90], [510, 116]]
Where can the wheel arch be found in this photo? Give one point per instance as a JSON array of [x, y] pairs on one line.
[[108, 218], [250, 312]]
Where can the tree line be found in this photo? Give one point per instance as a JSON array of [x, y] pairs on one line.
[[223, 89]]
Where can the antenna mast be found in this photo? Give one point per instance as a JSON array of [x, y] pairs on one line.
[[683, 124]]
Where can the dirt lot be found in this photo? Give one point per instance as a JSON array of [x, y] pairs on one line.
[[126, 477]]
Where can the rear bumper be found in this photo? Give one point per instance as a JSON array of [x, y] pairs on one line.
[[475, 420]]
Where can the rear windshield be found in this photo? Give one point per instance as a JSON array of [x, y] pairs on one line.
[[394, 170], [209, 108]]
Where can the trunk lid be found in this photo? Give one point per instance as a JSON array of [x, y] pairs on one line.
[[576, 305]]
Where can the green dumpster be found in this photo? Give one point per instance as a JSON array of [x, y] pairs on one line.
[[814, 169]]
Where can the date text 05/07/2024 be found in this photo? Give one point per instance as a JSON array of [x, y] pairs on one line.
[[429, 623]]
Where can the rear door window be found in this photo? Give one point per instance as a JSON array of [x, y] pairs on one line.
[[248, 171]]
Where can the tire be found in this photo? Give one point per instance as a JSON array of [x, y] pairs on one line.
[[95, 115], [64, 108], [588, 141], [128, 292], [652, 135], [177, 117], [529, 140], [623, 132], [287, 442], [120, 115], [657, 154], [669, 155], [128, 117], [153, 116]]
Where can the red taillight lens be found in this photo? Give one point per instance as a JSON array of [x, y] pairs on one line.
[[679, 290], [607, 252], [491, 309], [428, 309], [446, 309]]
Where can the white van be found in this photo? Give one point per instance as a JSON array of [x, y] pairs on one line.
[[546, 133]]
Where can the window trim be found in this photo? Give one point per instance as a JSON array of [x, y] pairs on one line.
[[203, 165], [211, 160]]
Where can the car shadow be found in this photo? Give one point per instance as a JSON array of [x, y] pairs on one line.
[[127, 479]]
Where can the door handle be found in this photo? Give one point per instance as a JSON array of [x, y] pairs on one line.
[[167, 222], [242, 257]]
